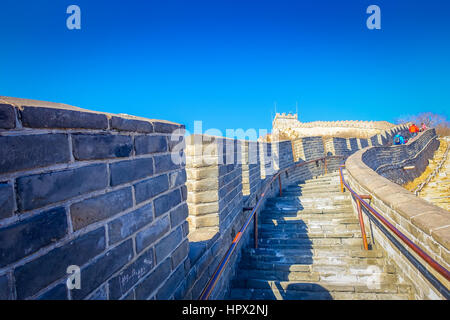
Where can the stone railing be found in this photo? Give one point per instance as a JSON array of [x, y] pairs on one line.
[[376, 172]]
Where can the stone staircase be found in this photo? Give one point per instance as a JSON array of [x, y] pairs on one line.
[[437, 191], [310, 247]]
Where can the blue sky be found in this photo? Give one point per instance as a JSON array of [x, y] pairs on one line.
[[226, 62]]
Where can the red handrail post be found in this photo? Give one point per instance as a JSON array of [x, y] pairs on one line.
[[342, 178], [361, 224], [255, 220], [279, 183]]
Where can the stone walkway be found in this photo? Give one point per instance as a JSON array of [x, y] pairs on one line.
[[310, 247], [437, 191]]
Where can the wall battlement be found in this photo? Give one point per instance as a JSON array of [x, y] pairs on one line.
[[287, 126]]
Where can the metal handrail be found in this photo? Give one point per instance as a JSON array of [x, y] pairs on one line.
[[220, 268], [435, 265]]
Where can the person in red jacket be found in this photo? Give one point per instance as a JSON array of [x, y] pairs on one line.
[[423, 127], [413, 130]]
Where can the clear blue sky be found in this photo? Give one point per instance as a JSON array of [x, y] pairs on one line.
[[226, 62]]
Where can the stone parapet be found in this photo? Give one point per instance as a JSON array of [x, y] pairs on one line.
[[376, 171]]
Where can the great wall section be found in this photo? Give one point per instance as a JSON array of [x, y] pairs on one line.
[[103, 192]]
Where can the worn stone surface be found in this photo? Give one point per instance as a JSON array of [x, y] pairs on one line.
[[101, 146], [133, 125], [167, 244], [25, 237], [150, 144], [103, 267], [164, 163], [7, 116], [32, 151], [150, 188], [42, 189], [41, 272], [5, 288], [167, 201], [156, 277], [130, 170], [126, 279], [126, 225], [59, 292], [37, 117], [152, 233], [101, 207], [6, 200]]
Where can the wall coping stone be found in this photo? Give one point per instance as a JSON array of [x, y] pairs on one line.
[[426, 216], [127, 123]]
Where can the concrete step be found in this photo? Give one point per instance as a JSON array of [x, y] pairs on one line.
[[320, 293], [370, 276], [309, 211], [334, 252], [360, 267], [310, 242], [289, 206], [255, 284], [308, 260], [311, 221]]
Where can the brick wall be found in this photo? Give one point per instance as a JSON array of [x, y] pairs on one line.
[[101, 191], [423, 223], [389, 162], [88, 189]]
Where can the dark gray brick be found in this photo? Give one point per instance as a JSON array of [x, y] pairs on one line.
[[149, 188], [42, 189], [150, 144], [196, 250], [57, 293], [101, 207], [6, 200], [100, 294], [7, 117], [96, 273], [39, 273], [152, 233], [33, 151], [131, 125], [25, 237], [153, 280], [38, 117], [5, 288], [164, 163], [183, 191], [179, 215], [166, 202], [101, 146], [129, 223], [177, 178], [130, 170], [168, 289], [168, 244], [176, 142], [129, 296], [180, 253], [126, 279], [165, 127]]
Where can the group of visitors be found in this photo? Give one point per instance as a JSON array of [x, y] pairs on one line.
[[413, 131]]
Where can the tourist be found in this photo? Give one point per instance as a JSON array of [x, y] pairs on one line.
[[398, 139], [423, 127], [413, 130]]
